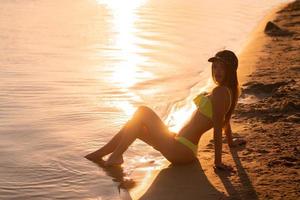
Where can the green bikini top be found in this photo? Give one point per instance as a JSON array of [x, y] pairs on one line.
[[205, 105]]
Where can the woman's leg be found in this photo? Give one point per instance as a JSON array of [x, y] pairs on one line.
[[107, 148], [147, 126], [114, 142]]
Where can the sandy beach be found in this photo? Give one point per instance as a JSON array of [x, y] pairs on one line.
[[267, 116]]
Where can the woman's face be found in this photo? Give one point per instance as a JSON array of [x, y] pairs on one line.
[[218, 71]]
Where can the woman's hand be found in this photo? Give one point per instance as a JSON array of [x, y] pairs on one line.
[[237, 142], [223, 167]]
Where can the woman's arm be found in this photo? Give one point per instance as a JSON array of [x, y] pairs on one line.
[[218, 104], [218, 145], [228, 133]]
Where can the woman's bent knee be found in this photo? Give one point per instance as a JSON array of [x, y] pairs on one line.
[[142, 111]]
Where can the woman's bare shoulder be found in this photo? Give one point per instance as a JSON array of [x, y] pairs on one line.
[[219, 91]]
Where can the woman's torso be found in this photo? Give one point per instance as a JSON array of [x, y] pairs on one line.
[[200, 122]]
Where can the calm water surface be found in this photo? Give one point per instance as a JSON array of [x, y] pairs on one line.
[[72, 72]]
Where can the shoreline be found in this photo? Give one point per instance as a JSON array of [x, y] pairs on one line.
[[242, 182], [267, 116], [271, 117], [254, 45]]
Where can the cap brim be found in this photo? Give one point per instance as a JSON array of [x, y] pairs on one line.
[[212, 59]]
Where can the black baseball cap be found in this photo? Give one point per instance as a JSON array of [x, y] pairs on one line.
[[227, 57]]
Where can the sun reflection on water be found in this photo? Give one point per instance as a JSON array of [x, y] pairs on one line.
[[127, 71]]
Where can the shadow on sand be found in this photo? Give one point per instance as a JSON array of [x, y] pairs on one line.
[[245, 190], [182, 182], [178, 182], [175, 182]]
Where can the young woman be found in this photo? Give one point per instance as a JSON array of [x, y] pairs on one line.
[[213, 111]]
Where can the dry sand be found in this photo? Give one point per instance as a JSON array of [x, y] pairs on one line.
[[267, 116]]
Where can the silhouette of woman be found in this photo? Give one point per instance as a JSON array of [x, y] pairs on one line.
[[213, 111]]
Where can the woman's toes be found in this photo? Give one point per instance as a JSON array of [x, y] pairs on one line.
[[91, 156]]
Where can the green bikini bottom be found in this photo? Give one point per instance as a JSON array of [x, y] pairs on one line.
[[188, 144]]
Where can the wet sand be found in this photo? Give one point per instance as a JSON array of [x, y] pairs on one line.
[[267, 116]]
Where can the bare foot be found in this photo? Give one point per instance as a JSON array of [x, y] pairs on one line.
[[94, 156], [111, 161]]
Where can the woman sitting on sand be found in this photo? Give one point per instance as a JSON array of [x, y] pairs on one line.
[[213, 111]]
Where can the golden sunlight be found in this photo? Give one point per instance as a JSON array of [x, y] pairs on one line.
[[178, 115], [127, 71], [182, 110], [127, 107]]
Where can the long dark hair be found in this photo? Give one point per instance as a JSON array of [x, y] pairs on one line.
[[231, 81]]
